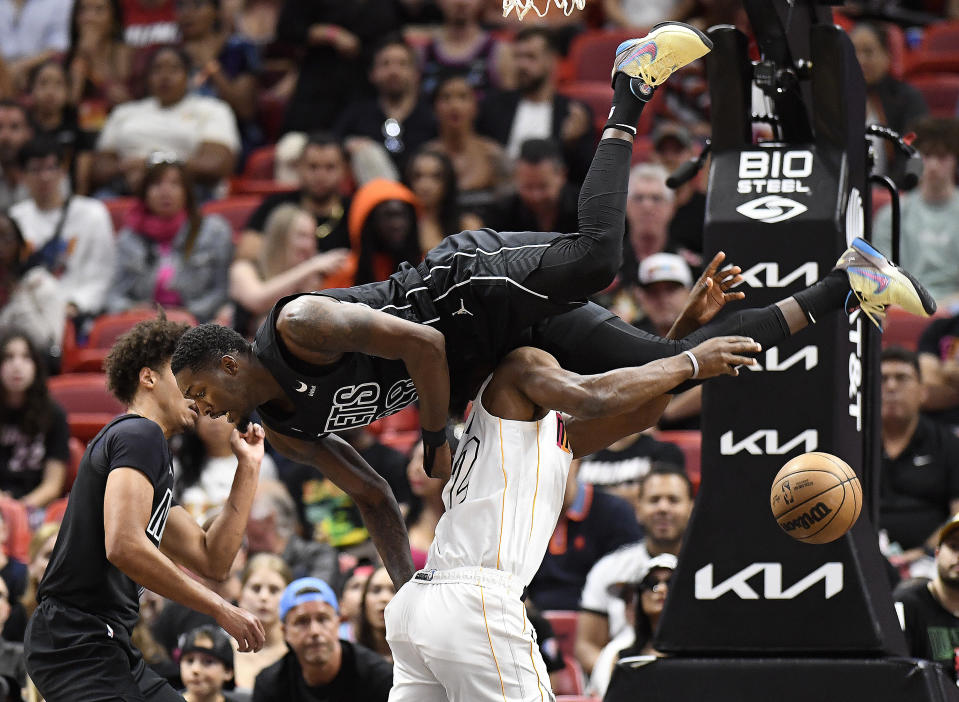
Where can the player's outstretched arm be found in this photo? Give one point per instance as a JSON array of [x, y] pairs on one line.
[[339, 462], [127, 503], [211, 552], [314, 328], [708, 296]]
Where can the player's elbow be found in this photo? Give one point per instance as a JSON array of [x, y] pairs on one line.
[[374, 492], [586, 402], [120, 549]]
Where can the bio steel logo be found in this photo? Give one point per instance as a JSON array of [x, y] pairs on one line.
[[774, 172], [771, 209], [831, 574]]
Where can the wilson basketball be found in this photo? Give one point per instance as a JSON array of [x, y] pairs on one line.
[[816, 497]]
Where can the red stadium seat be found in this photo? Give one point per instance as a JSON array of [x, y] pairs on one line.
[[599, 97], [897, 50], [880, 198], [941, 91], [564, 623], [402, 441], [236, 209], [258, 187], [570, 680], [938, 51], [119, 208], [690, 443], [270, 113], [106, 330], [88, 403], [904, 329], [260, 163], [18, 528], [591, 54], [54, 512]]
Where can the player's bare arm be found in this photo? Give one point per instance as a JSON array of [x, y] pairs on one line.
[[210, 552], [319, 330], [708, 296], [339, 462], [127, 504]]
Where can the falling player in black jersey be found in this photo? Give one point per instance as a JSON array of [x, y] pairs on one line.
[[122, 533], [339, 359]]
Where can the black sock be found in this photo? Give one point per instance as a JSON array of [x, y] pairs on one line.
[[628, 103], [828, 295]]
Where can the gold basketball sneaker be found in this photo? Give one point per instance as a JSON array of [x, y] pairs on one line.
[[877, 282], [668, 47]]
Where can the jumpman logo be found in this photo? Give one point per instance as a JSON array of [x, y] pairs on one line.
[[462, 309]]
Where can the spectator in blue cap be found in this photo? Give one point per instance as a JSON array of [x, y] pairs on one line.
[[319, 665]]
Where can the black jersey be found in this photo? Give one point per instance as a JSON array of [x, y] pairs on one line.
[[470, 288], [79, 574]]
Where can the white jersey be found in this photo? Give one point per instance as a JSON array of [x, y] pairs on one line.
[[505, 494]]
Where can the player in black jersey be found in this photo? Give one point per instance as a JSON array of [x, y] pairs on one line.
[[339, 359], [122, 533]]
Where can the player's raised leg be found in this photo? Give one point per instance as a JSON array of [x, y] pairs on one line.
[[593, 340], [581, 264]]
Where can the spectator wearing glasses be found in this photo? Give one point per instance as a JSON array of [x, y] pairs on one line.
[[645, 598], [319, 665], [649, 209], [169, 253], [197, 130], [397, 116]]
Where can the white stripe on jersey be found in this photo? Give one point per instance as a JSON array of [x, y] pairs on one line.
[[505, 494]]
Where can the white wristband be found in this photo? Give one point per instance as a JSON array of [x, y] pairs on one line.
[[692, 359]]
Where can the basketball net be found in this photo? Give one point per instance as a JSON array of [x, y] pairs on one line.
[[524, 6]]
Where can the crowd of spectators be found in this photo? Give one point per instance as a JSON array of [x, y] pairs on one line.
[[127, 126]]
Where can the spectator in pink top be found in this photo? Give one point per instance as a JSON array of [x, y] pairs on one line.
[[169, 253]]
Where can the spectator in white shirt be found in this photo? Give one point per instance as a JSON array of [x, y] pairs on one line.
[[198, 131], [71, 237], [32, 31]]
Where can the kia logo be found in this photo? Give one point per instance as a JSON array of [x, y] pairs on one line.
[[771, 209]]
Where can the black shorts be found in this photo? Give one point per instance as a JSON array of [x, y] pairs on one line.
[[71, 655], [475, 282]]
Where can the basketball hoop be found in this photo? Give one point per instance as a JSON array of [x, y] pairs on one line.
[[524, 6]]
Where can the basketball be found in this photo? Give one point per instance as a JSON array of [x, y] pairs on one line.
[[816, 497]]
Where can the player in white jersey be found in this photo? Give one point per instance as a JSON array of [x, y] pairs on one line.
[[458, 630]]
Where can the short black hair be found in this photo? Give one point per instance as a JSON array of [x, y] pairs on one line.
[[902, 355], [39, 147], [934, 134], [395, 39], [149, 344], [546, 34], [8, 104], [202, 347], [535, 151], [666, 469], [325, 140]]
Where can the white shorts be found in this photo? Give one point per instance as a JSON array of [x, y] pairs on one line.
[[464, 636]]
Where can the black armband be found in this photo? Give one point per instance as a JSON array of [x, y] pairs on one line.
[[434, 439]]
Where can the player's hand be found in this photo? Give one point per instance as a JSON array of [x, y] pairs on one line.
[[442, 462], [711, 291], [721, 355], [242, 626], [248, 446]]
